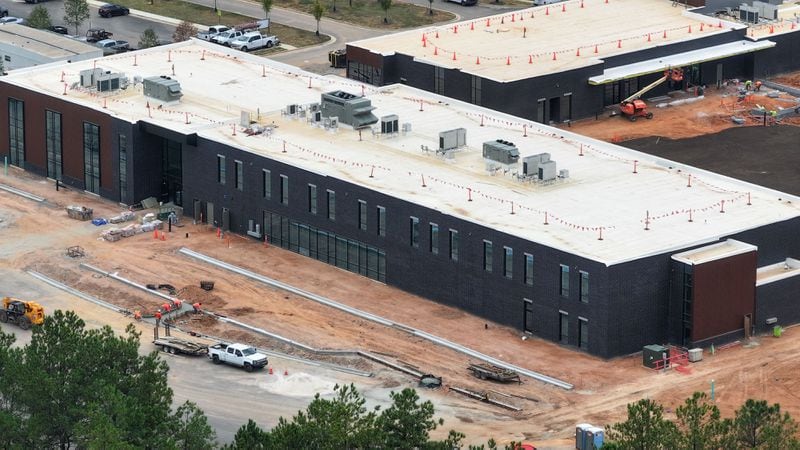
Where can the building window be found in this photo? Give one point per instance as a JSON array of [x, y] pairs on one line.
[[362, 215], [331, 205], [476, 90], [91, 157], [53, 143], [487, 256], [414, 232], [508, 262], [564, 280], [563, 327], [381, 221], [123, 167], [434, 238], [312, 199], [220, 169], [16, 131], [453, 245], [583, 333], [528, 317], [284, 189], [528, 269], [266, 184], [438, 80], [584, 287], [239, 175]]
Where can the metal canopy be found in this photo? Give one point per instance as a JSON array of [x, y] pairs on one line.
[[679, 60]]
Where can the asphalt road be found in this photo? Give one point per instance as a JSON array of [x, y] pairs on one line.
[[127, 28]]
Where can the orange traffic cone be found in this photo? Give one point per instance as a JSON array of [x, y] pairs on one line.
[[270, 370], [155, 234], [285, 372]]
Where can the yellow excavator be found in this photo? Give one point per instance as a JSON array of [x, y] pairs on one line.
[[22, 313]]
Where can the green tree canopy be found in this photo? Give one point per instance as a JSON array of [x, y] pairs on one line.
[[148, 39], [317, 10], [759, 425], [39, 18], [192, 431], [266, 5], [75, 12], [85, 388], [645, 429], [699, 424]]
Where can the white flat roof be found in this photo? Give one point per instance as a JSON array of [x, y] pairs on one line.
[[45, 43], [776, 272], [714, 252], [523, 44], [679, 60], [601, 194]]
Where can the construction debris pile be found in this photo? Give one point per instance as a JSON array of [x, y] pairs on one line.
[[149, 223]]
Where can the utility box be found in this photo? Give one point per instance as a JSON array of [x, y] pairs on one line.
[[162, 88], [390, 124], [501, 151], [695, 354], [89, 77], [530, 164], [451, 139], [651, 354], [547, 171]]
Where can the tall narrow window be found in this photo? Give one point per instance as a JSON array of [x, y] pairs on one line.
[[284, 189], [123, 167], [563, 327], [91, 157], [476, 90], [528, 317], [584, 287], [583, 333], [16, 131], [53, 143], [564, 280], [220, 169], [312, 199], [414, 232], [453, 245], [438, 80], [331, 205], [508, 262], [381, 221], [434, 238], [239, 175], [487, 256], [362, 215], [266, 184], [528, 269]]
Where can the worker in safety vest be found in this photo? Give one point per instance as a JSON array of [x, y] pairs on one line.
[[758, 86], [177, 303], [157, 315], [196, 307], [137, 315], [166, 307], [748, 85]]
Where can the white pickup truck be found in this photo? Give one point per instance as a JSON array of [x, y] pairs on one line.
[[226, 37], [237, 355], [254, 41], [212, 31]]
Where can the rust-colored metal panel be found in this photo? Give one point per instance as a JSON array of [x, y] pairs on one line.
[[72, 118], [724, 292], [364, 56]]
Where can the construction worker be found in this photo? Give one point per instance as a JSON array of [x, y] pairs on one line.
[[157, 315], [166, 307], [758, 86], [196, 306], [748, 85], [137, 315], [178, 303]]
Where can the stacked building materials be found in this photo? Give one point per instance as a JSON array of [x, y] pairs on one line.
[[124, 217], [79, 212], [115, 234]]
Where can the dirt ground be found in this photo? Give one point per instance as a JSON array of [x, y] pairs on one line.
[[706, 116], [39, 234]]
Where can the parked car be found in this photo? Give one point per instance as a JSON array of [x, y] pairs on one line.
[[97, 34], [3, 11], [111, 10], [9, 19], [226, 37], [238, 355], [212, 31], [464, 2], [112, 46], [254, 41], [59, 29]]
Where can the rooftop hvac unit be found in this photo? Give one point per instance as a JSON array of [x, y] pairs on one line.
[[313, 107], [530, 164], [451, 139], [563, 174], [291, 109], [389, 124], [162, 88], [89, 77], [501, 151], [406, 127], [108, 81], [350, 109], [547, 171]]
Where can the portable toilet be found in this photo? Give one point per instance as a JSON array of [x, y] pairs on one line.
[[595, 437], [580, 435]]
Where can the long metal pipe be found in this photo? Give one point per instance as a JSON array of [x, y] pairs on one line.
[[375, 318], [21, 193]]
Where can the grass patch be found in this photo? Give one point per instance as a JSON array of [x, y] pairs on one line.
[[201, 14], [368, 13]]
